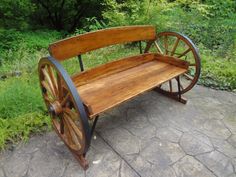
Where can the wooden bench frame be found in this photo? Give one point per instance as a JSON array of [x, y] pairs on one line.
[[74, 101]]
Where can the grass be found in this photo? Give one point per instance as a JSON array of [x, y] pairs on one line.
[[22, 111]]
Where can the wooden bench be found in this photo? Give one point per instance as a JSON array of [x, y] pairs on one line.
[[169, 64]]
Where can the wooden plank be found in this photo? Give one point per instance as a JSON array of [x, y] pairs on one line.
[[110, 68], [172, 60], [80, 44], [116, 88]]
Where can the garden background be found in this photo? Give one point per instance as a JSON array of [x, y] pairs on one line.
[[27, 27]]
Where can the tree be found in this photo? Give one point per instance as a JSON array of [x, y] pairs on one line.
[[15, 14], [66, 14]]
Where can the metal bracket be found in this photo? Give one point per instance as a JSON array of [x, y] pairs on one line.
[[81, 63], [94, 125], [140, 47]]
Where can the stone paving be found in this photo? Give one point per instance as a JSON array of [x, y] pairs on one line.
[[150, 135]]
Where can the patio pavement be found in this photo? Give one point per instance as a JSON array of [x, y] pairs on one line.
[[149, 136]]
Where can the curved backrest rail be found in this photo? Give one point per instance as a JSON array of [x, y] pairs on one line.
[[81, 44]]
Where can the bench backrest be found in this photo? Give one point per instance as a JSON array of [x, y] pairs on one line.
[[81, 44]]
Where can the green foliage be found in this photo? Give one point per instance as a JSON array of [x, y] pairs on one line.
[[91, 24], [20, 96], [211, 24], [218, 73], [193, 18], [19, 49], [20, 127], [66, 14], [12, 39], [21, 110], [15, 13]]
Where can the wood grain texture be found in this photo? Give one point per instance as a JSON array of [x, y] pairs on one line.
[[80, 44], [119, 85], [172, 60], [110, 68]]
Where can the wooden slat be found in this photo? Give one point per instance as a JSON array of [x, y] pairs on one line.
[[172, 60], [110, 68], [109, 91], [80, 44]]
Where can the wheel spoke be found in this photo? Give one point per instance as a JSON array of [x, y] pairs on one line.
[[48, 99], [48, 88], [175, 46], [67, 133], [188, 76], [166, 44], [192, 64], [181, 86], [59, 86], [53, 79], [158, 47], [62, 126], [74, 137], [184, 53], [74, 127], [49, 81], [63, 102]]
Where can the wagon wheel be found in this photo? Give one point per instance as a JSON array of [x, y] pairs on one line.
[[66, 110], [178, 46]]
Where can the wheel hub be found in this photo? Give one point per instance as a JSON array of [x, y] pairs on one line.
[[55, 108]]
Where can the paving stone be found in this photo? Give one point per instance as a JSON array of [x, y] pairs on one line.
[[215, 129], [34, 144], [46, 165], [232, 140], [14, 167], [73, 170], [230, 121], [126, 171], [194, 145], [122, 140], [232, 175], [169, 134], [142, 138], [233, 161], [1, 173], [224, 147], [217, 162], [161, 153], [188, 167], [147, 168], [137, 123]]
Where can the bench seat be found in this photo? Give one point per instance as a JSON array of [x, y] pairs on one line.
[[110, 84]]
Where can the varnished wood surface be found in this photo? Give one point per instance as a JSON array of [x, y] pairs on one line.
[[116, 87], [80, 44], [110, 68]]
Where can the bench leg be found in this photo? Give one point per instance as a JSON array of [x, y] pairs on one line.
[[94, 125], [81, 159], [177, 97]]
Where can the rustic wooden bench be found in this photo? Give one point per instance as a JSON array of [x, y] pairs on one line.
[[169, 64]]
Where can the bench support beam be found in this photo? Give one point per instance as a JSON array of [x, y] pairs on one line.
[[175, 97]]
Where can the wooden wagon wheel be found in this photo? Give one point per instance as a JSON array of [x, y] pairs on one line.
[[69, 118], [179, 46]]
